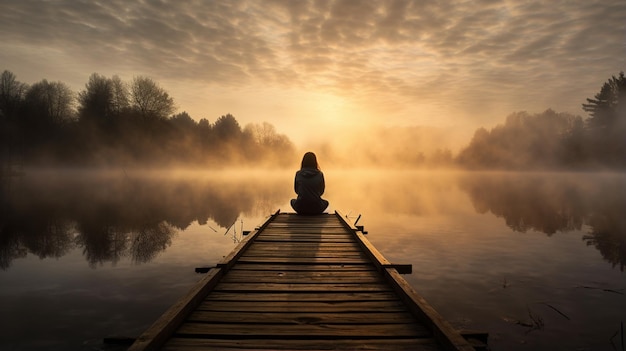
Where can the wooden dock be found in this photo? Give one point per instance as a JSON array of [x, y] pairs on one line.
[[302, 283]]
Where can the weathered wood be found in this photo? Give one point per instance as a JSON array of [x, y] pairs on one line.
[[306, 248], [334, 297], [401, 268], [259, 244], [342, 287], [244, 276], [395, 344], [327, 331], [301, 317], [309, 267], [303, 260], [305, 253], [370, 250], [304, 306], [304, 239], [304, 282]]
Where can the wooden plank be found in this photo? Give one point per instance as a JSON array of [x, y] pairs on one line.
[[303, 260], [274, 276], [306, 229], [294, 218], [301, 280], [323, 239], [344, 257], [294, 231], [342, 287], [334, 297], [340, 268], [369, 249], [328, 331], [304, 267], [396, 344], [302, 317], [401, 268], [304, 306], [308, 240], [305, 253], [288, 245], [306, 247], [311, 282]]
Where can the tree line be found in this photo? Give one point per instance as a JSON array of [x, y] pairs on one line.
[[112, 122], [557, 140]]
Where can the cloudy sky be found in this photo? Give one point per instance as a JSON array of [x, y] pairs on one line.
[[310, 67]]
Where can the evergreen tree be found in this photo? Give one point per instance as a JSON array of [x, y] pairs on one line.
[[609, 105]]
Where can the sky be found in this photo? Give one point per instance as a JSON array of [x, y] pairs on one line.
[[313, 68]]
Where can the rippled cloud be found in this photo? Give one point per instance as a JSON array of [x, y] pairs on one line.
[[464, 55]]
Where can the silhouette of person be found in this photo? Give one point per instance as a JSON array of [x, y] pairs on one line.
[[309, 185]]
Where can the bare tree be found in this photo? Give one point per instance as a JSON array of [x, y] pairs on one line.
[[149, 99], [103, 98], [11, 94], [51, 102], [95, 102], [120, 100]]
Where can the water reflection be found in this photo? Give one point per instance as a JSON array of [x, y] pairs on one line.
[[551, 203], [608, 228], [112, 216]]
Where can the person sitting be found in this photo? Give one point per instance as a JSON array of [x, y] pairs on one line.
[[309, 185]]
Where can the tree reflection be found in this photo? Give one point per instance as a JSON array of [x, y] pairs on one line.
[[557, 203], [528, 202], [102, 242], [51, 238], [112, 217], [150, 240], [10, 247], [44, 236], [608, 228]]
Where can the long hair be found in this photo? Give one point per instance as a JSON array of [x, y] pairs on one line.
[[310, 161]]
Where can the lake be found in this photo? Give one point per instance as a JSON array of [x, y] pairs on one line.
[[535, 259]]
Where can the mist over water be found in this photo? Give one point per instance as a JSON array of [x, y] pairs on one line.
[[489, 249]]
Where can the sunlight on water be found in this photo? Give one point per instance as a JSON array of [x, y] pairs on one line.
[[535, 259]]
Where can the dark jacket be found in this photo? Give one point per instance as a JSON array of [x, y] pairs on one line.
[[309, 185]]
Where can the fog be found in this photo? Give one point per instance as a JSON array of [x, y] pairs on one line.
[[127, 125], [135, 214], [399, 147], [112, 214]]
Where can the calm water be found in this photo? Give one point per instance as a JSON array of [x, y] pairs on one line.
[[535, 259]]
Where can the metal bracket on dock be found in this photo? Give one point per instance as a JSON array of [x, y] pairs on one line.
[[401, 268], [203, 269], [360, 228], [207, 269]]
